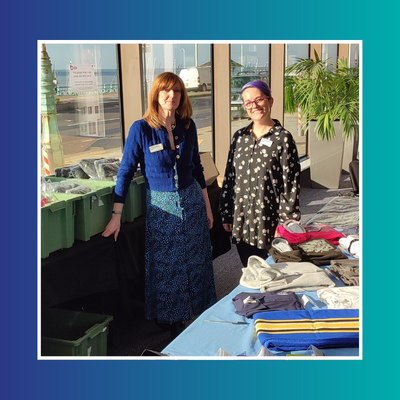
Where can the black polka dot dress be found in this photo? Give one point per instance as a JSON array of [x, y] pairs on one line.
[[261, 186]]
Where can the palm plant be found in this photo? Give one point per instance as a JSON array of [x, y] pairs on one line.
[[325, 93]]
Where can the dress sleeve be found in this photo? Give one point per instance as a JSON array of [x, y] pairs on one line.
[[289, 199], [132, 157], [227, 197]]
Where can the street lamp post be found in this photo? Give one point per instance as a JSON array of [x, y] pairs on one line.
[[52, 151]]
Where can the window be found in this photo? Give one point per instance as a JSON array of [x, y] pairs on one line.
[[354, 55], [249, 62], [330, 53], [192, 62], [87, 122], [293, 51]]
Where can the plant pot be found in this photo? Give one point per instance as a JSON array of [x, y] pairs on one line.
[[326, 158], [350, 151]]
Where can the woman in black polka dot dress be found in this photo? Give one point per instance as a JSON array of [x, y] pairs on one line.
[[261, 186]]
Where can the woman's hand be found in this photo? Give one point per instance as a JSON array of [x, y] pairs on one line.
[[113, 227], [210, 218], [227, 227]]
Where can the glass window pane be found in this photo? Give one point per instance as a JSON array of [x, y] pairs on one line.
[[330, 52], [87, 101], [354, 55], [249, 62], [192, 62], [293, 51]]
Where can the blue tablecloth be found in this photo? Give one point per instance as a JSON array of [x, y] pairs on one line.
[[204, 339]]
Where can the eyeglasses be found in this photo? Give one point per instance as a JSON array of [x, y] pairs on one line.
[[249, 104]]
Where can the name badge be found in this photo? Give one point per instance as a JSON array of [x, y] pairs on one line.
[[156, 147], [266, 142]]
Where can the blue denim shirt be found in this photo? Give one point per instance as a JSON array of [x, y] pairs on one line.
[[151, 149]]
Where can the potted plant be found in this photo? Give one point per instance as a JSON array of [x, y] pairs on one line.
[[328, 98]]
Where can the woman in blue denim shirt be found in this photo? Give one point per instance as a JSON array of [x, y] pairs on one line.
[[179, 269]]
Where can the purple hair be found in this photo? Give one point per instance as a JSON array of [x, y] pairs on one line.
[[260, 85]]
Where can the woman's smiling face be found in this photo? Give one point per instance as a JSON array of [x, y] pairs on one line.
[[259, 105]]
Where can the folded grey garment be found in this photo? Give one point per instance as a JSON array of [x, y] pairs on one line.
[[317, 245], [346, 263], [77, 172], [87, 164], [281, 244], [347, 271], [82, 189], [57, 172], [98, 163], [293, 226], [107, 171], [63, 186]]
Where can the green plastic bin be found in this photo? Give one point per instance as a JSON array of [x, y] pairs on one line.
[[93, 212], [74, 333], [135, 203], [58, 224]]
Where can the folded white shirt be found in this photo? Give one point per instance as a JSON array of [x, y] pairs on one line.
[[340, 297]]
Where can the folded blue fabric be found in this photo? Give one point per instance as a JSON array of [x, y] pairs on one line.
[[298, 329]]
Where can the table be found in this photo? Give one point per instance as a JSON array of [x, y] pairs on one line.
[[204, 339]]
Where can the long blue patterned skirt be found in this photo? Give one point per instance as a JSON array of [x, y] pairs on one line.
[[179, 265]]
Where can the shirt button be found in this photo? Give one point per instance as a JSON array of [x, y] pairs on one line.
[[177, 146], [176, 137], [176, 177], [178, 156]]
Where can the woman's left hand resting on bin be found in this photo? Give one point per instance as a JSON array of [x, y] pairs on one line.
[[114, 225]]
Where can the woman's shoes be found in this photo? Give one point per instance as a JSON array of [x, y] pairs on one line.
[[165, 326], [177, 328]]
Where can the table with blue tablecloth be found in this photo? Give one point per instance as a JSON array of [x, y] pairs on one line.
[[205, 339], [213, 339]]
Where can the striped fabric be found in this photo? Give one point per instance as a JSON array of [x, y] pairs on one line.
[[298, 329]]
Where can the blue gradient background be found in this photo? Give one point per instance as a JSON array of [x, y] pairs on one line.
[[25, 377]]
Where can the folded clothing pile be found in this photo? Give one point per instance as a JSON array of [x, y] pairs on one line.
[[317, 251], [104, 169], [347, 271], [351, 244], [290, 276], [299, 329], [71, 171], [340, 297], [309, 232], [247, 304], [91, 167]]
